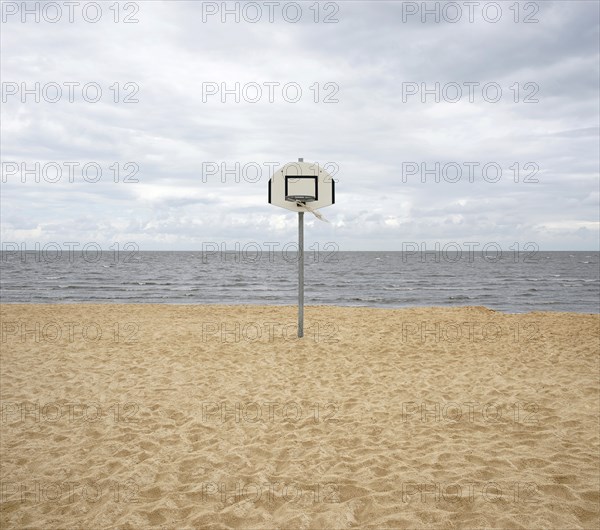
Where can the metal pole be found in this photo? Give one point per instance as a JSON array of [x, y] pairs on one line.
[[300, 274]]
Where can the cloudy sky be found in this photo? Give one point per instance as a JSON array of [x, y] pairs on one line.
[[160, 123]]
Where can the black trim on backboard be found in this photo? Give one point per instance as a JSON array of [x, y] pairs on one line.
[[332, 191], [270, 191]]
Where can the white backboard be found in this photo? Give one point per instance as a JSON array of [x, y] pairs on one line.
[[301, 179]]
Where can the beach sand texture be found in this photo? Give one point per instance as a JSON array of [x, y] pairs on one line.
[[217, 417]]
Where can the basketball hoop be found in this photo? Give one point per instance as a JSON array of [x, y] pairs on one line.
[[300, 198], [294, 187]]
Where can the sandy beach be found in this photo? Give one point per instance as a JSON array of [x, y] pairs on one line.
[[172, 416]]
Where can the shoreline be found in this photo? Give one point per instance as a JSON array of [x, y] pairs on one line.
[[316, 306]]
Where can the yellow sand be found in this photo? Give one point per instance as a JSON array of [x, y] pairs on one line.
[[218, 417]]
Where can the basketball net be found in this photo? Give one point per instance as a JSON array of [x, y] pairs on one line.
[[316, 213]]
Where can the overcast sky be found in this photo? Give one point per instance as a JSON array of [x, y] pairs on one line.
[[518, 91]]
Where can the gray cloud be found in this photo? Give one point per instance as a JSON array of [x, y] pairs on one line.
[[172, 134]]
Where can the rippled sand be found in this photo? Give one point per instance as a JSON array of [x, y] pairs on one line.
[[141, 416]]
